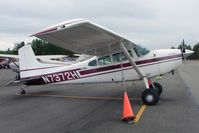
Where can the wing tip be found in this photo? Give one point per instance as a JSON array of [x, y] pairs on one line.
[[55, 27]]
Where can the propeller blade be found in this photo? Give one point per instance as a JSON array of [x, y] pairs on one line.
[[183, 46]]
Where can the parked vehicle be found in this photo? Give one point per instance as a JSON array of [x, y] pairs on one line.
[[5, 64]]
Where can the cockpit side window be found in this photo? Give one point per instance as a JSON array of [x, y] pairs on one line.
[[104, 60], [140, 51], [116, 57], [92, 63]]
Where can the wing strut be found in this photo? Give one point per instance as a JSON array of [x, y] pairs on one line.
[[12, 60], [131, 60]]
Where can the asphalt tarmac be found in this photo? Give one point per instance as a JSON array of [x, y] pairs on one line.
[[97, 108]]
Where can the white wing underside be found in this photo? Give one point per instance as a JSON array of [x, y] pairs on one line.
[[42, 57], [9, 56], [84, 37]]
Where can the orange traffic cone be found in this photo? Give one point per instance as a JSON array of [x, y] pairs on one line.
[[127, 110]]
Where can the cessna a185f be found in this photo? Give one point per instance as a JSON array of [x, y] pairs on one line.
[[111, 58]]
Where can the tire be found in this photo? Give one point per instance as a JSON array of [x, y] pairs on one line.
[[158, 87], [23, 92], [150, 97]]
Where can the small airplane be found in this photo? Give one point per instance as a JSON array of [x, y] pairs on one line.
[[108, 58], [4, 63]]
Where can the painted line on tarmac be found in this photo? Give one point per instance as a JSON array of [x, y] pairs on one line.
[[139, 114], [3, 84], [80, 97], [137, 117]]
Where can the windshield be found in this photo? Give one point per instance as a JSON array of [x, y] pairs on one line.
[[140, 50]]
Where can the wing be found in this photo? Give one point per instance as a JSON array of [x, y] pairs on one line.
[[84, 37], [50, 57], [47, 57], [9, 56]]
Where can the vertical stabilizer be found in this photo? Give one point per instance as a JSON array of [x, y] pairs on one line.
[[28, 64], [27, 59]]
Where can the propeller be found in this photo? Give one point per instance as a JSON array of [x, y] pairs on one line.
[[183, 49], [185, 52]]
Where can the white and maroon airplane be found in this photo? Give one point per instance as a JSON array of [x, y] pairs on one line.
[[110, 58]]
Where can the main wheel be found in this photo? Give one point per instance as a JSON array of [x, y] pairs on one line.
[[150, 97], [158, 87], [23, 91]]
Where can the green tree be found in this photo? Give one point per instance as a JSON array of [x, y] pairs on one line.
[[40, 47], [186, 47], [44, 48], [17, 46], [8, 51], [196, 51]]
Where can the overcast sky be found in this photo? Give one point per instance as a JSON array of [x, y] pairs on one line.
[[152, 23]]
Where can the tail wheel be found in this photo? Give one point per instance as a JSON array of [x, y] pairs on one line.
[[150, 97], [23, 91], [158, 87]]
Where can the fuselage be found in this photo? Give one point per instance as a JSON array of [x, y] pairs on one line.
[[108, 68]]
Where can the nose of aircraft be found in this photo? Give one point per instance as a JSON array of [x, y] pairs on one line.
[[187, 53]]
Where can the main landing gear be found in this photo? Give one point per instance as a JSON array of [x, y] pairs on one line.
[[151, 95]]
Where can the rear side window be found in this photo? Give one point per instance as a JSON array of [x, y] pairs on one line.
[[116, 57], [92, 63], [104, 60]]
